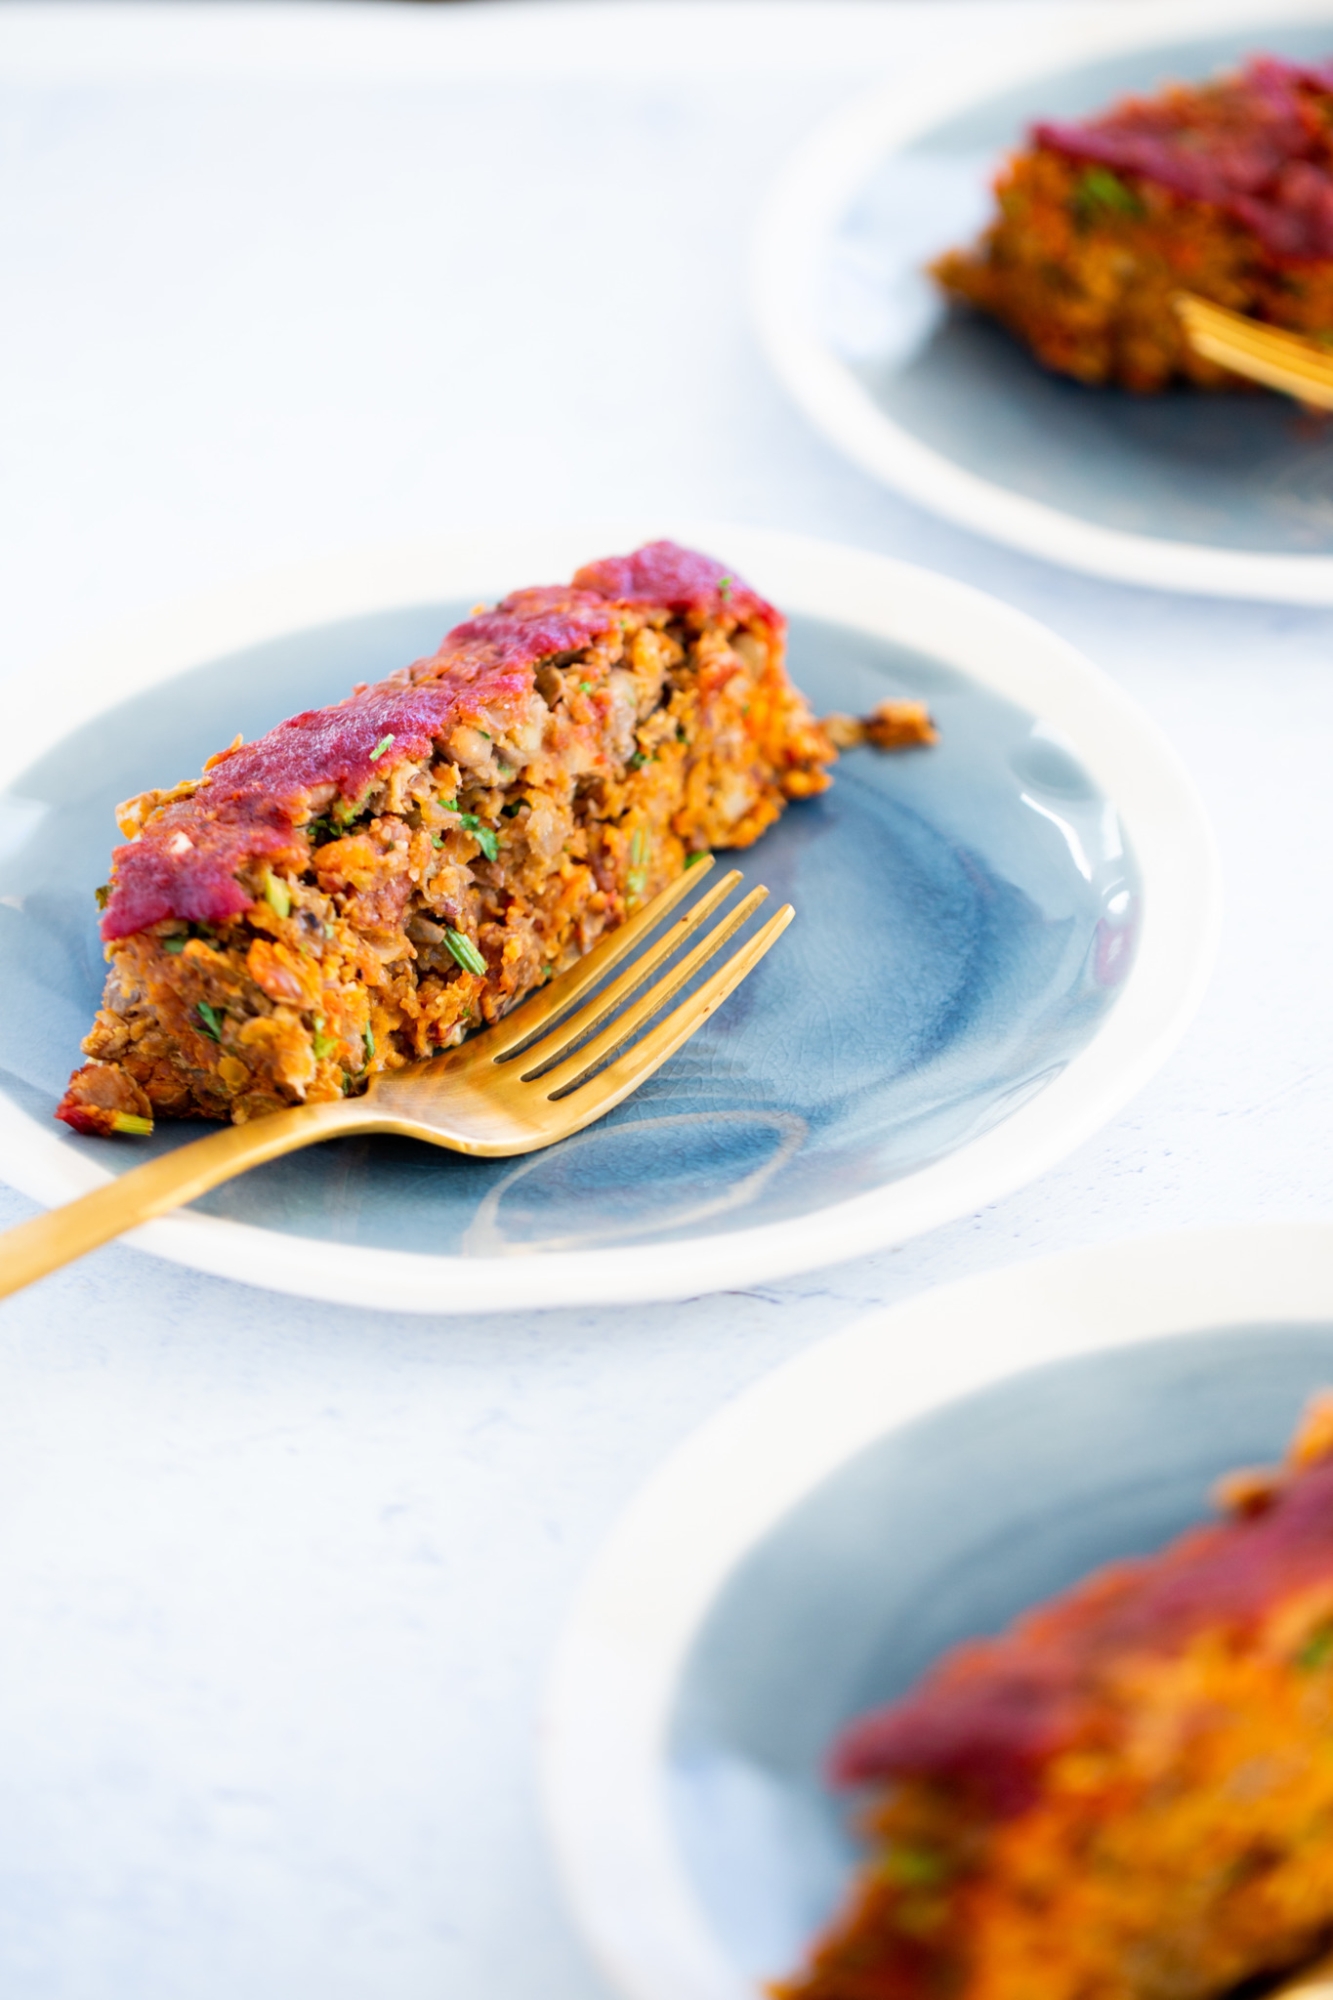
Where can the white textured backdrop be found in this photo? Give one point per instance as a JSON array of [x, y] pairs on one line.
[[278, 1582]]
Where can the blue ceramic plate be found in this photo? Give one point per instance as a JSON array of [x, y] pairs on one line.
[[904, 1487], [1232, 493], [969, 919]]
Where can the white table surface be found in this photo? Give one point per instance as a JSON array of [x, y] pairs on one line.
[[279, 1581]]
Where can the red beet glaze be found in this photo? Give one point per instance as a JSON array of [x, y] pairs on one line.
[[987, 1718], [1257, 146], [251, 804], [680, 581]]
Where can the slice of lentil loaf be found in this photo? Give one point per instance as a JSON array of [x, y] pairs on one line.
[[1224, 189], [367, 882], [1125, 1796]]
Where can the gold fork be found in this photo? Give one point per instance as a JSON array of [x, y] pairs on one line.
[[538, 1075], [1284, 361]]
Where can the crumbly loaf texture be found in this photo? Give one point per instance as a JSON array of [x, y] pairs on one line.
[[1224, 190], [1127, 1796], [367, 883]]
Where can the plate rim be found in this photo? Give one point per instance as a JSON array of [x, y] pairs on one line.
[[611, 1683], [803, 205], [1117, 743]]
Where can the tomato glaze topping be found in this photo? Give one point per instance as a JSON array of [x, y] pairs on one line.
[[989, 1716], [254, 800], [1257, 145]]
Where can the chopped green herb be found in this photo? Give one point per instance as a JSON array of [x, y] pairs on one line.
[[1317, 1650], [174, 945], [465, 952], [585, 687], [331, 825], [514, 806], [102, 896], [634, 883], [1100, 192], [277, 895], [486, 733], [323, 1044], [211, 1019], [724, 586], [384, 743], [129, 1121], [639, 758], [485, 838], [437, 840], [483, 835], [690, 859], [370, 1043], [636, 847]]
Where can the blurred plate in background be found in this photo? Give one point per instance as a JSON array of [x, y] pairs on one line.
[[908, 1484], [1224, 493]]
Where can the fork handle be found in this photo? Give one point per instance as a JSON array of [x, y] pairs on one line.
[[62, 1234]]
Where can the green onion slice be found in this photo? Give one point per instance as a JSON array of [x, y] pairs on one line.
[[277, 895]]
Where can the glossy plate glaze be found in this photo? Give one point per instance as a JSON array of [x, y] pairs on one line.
[[911, 1483], [1230, 494], [995, 942]]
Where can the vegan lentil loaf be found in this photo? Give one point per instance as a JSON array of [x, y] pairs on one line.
[[1126, 1796], [1223, 189], [367, 882]]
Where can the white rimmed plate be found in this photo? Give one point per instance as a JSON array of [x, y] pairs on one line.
[[814, 1546], [997, 941], [1226, 494]]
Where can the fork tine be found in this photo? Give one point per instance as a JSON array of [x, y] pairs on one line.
[[1260, 343], [1254, 335], [526, 1023], [611, 1085], [545, 1054], [562, 1075], [1272, 355]]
